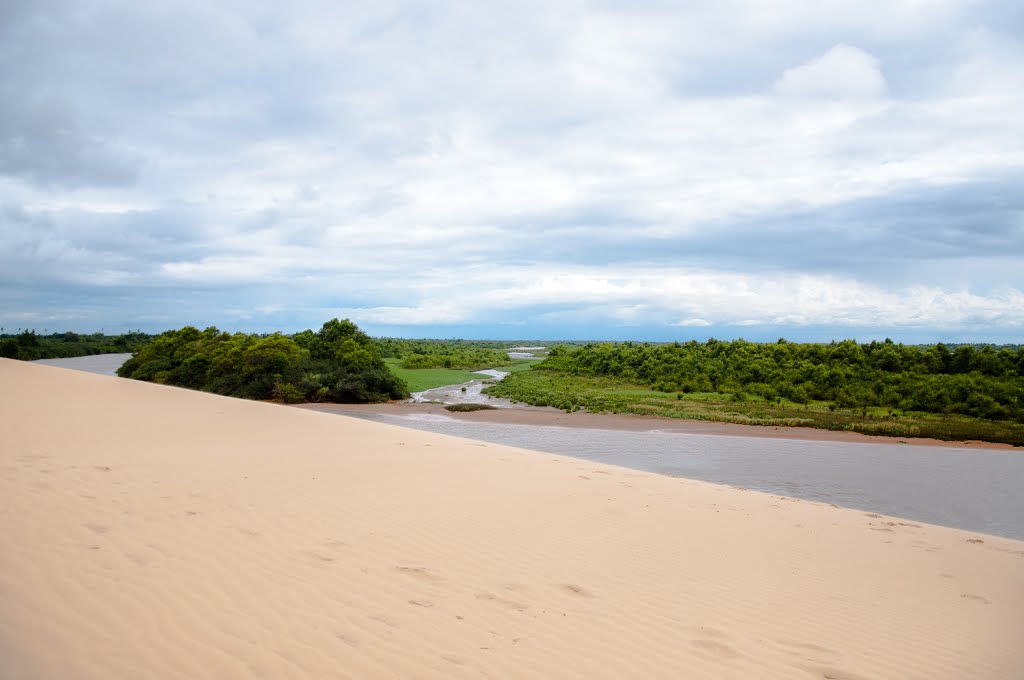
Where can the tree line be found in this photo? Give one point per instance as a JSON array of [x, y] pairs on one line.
[[28, 346], [338, 363], [981, 381]]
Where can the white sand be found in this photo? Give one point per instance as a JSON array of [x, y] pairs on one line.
[[152, 532]]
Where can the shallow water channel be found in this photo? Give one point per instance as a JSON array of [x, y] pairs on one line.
[[471, 392]]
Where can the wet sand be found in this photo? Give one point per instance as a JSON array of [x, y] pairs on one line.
[[546, 416], [163, 533]]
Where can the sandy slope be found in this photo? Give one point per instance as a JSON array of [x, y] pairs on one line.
[[155, 532]]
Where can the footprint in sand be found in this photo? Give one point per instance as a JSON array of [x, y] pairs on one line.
[[926, 546], [511, 604], [1018, 553], [138, 559], [575, 589], [421, 573], [347, 640], [834, 673], [810, 652], [704, 631], [716, 648], [385, 620]]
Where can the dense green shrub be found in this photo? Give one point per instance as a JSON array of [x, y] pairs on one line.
[[339, 363], [455, 354]]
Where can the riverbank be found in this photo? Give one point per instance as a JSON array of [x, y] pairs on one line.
[[548, 416], [515, 413], [159, 532]]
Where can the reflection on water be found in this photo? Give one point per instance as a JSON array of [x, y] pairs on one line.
[[974, 489]]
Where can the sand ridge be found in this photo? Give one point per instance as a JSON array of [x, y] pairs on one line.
[[156, 532]]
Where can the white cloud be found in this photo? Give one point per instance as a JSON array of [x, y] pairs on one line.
[[842, 72], [427, 313]]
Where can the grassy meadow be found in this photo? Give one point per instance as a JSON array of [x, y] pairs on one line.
[[420, 379]]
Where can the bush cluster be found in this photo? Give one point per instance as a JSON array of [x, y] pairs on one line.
[[466, 355], [339, 363]]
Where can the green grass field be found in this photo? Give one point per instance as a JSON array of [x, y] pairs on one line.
[[420, 379]]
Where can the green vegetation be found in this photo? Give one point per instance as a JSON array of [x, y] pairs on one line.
[[28, 346], [420, 379], [339, 363], [452, 354], [517, 365], [877, 388], [426, 364]]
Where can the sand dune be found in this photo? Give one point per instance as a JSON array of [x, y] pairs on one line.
[[152, 532]]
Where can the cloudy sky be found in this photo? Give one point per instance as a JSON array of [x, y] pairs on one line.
[[617, 170]]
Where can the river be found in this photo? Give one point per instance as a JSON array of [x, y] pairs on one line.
[[104, 364]]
